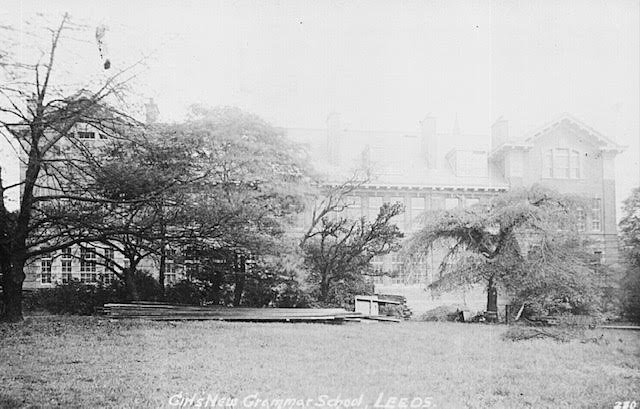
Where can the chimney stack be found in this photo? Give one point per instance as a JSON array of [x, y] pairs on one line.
[[429, 141]]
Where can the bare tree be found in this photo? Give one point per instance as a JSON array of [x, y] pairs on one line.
[[39, 117]]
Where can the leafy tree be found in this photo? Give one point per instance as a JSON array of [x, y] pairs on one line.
[[240, 211], [524, 241], [630, 231], [147, 181], [38, 116]]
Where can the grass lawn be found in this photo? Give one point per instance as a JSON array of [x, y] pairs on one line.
[[86, 362]]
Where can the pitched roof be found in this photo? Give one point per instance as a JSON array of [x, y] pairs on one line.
[[396, 157], [600, 140]]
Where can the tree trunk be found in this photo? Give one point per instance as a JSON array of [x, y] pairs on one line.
[[131, 291], [12, 279], [492, 301], [324, 287], [240, 270], [216, 285], [163, 266]]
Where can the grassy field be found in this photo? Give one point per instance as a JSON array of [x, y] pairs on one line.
[[86, 362]]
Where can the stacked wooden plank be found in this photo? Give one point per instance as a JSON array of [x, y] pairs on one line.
[[167, 312]]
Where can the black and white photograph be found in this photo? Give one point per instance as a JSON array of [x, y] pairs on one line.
[[328, 204]]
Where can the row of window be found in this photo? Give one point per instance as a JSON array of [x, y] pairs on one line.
[[414, 207], [48, 277], [596, 216], [88, 135], [89, 271]]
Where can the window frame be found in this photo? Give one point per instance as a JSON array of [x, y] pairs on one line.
[[596, 214], [557, 165], [46, 263]]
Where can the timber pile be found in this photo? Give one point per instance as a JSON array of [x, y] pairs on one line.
[[167, 312], [402, 310]]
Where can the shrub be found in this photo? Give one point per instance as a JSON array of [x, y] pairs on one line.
[[290, 295], [147, 287], [70, 298], [342, 293], [442, 313], [185, 292], [631, 297]]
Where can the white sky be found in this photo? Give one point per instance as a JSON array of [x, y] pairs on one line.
[[382, 64]]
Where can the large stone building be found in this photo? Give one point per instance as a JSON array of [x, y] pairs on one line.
[[426, 169]]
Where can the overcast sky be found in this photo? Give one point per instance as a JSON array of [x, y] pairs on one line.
[[383, 64]]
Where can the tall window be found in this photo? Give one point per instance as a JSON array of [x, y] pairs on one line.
[[375, 202], [417, 209], [596, 214], [547, 164], [399, 219], [561, 164], [396, 268], [451, 203], [377, 263], [45, 269], [108, 258], [170, 275], [471, 202], [581, 219], [354, 207], [88, 265], [65, 262], [107, 277], [575, 165]]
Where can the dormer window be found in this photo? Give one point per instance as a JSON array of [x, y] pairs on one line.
[[562, 163]]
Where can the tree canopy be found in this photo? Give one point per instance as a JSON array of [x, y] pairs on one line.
[[40, 111], [630, 233]]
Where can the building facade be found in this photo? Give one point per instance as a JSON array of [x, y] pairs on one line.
[[429, 170], [425, 170]]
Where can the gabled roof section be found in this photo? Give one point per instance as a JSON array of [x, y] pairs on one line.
[[603, 142]]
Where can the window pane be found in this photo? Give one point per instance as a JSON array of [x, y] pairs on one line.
[[45, 271], [472, 202], [581, 219], [561, 163], [417, 204], [375, 202], [548, 164], [66, 253], [596, 215], [451, 203], [399, 219], [354, 207], [575, 165]]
